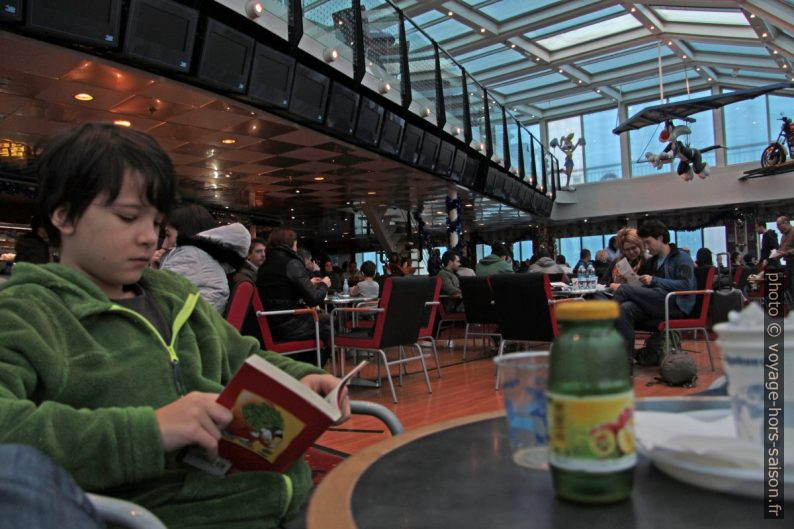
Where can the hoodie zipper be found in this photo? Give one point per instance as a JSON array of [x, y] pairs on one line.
[[181, 317]]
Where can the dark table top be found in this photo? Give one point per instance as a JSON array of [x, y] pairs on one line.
[[460, 474]]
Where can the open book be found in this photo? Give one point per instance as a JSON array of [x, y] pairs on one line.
[[628, 273], [276, 418]]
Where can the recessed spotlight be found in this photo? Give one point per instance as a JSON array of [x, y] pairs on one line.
[[559, 70], [764, 35], [580, 81], [228, 141], [330, 54], [457, 131], [254, 8], [537, 59], [785, 66], [297, 191], [122, 122], [426, 112], [652, 28], [371, 192], [512, 45], [469, 205], [319, 178], [482, 30], [710, 79], [384, 87], [774, 52], [450, 13], [752, 15], [84, 96], [697, 69], [633, 9]]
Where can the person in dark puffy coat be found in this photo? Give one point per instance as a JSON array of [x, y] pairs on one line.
[[284, 283]]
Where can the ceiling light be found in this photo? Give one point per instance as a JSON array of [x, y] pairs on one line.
[[709, 78], [764, 35], [469, 205], [450, 13], [513, 45], [752, 15], [228, 141], [83, 96], [370, 192], [560, 70], [330, 54], [774, 52], [122, 122], [457, 131], [683, 56], [254, 8], [297, 191], [633, 9], [426, 112], [580, 81], [384, 87], [319, 178], [482, 30], [697, 69], [598, 90], [669, 42], [537, 59]]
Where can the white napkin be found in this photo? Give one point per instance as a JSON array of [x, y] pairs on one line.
[[712, 443]]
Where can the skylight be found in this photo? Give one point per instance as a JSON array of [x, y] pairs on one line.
[[504, 57], [502, 10], [529, 84], [591, 32], [703, 16]]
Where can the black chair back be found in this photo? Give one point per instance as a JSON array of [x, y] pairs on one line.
[[556, 278], [522, 306], [477, 300], [404, 300]]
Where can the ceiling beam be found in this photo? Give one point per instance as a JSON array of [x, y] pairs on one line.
[[777, 13]]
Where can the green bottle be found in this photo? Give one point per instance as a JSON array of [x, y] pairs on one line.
[[590, 406]]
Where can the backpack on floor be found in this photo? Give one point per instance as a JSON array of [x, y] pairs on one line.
[[653, 351], [678, 369]]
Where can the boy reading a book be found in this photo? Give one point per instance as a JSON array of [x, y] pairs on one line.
[[112, 368]]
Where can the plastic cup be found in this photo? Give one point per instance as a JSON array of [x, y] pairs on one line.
[[523, 381], [741, 341]]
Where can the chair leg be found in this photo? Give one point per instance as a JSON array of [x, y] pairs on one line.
[[465, 340], [435, 355], [388, 373], [708, 348], [424, 367], [400, 366], [501, 349]]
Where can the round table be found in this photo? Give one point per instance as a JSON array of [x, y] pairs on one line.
[[460, 474]]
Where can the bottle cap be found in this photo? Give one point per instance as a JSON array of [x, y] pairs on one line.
[[587, 310]]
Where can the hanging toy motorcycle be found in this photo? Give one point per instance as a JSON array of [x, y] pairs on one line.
[[567, 146], [691, 160]]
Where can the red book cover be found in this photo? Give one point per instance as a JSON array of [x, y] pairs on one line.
[[276, 418]]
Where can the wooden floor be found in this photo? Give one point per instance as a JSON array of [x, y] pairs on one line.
[[467, 387]]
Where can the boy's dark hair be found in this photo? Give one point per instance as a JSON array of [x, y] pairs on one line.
[[368, 269], [77, 166], [654, 228], [560, 259], [448, 257], [190, 220], [254, 242], [584, 254], [498, 249]]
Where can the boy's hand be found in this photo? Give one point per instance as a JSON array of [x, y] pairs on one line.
[[193, 419], [646, 279], [323, 385]]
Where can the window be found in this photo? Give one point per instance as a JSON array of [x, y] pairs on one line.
[[714, 240], [602, 148], [689, 239], [592, 243], [482, 251], [570, 248], [559, 129], [779, 106], [746, 130], [522, 250], [370, 256]]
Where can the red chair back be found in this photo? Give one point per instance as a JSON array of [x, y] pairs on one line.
[[240, 304], [431, 311], [705, 281]]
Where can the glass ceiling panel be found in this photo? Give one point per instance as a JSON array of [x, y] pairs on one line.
[[502, 10], [479, 52], [591, 32], [703, 16], [654, 81], [619, 60], [500, 58], [448, 28], [571, 100], [528, 84], [427, 18], [573, 22], [730, 49]]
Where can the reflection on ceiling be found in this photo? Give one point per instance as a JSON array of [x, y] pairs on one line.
[[227, 155]]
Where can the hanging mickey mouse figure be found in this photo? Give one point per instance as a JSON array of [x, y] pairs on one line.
[[691, 160], [567, 146]]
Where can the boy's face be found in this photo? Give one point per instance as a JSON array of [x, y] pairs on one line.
[[112, 243], [653, 244]]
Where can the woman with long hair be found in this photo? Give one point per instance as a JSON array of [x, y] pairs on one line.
[[630, 247]]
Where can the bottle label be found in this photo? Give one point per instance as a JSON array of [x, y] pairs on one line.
[[593, 433]]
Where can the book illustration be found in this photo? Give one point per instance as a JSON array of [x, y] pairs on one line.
[[261, 426]]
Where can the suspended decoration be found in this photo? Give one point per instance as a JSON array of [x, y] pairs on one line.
[[422, 236], [454, 224]]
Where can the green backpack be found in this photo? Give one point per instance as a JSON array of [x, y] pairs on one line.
[[653, 351]]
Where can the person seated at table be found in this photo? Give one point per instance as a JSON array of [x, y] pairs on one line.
[[465, 270], [392, 266], [254, 259], [367, 287], [86, 346], [352, 274], [631, 247], [670, 270], [496, 263], [450, 282], [545, 264], [309, 262], [284, 283], [327, 269], [601, 263], [703, 258], [560, 260], [584, 261]]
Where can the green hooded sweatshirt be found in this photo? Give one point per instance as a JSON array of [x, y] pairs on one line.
[[81, 377], [493, 264]]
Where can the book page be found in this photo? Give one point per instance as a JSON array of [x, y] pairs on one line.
[[627, 273], [333, 397]]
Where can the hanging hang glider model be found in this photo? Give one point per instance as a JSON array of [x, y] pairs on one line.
[[682, 111]]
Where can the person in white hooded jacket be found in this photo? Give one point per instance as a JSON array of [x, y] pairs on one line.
[[208, 258]]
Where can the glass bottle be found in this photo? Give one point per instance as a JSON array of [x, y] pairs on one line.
[[345, 288], [590, 406]]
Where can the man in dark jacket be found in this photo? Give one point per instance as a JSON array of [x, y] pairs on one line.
[[284, 283], [672, 270], [768, 243]]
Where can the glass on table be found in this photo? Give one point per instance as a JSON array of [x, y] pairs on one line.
[[523, 378]]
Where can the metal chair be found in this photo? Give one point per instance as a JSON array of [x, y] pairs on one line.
[[429, 318], [479, 307], [525, 309], [245, 304], [397, 323]]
